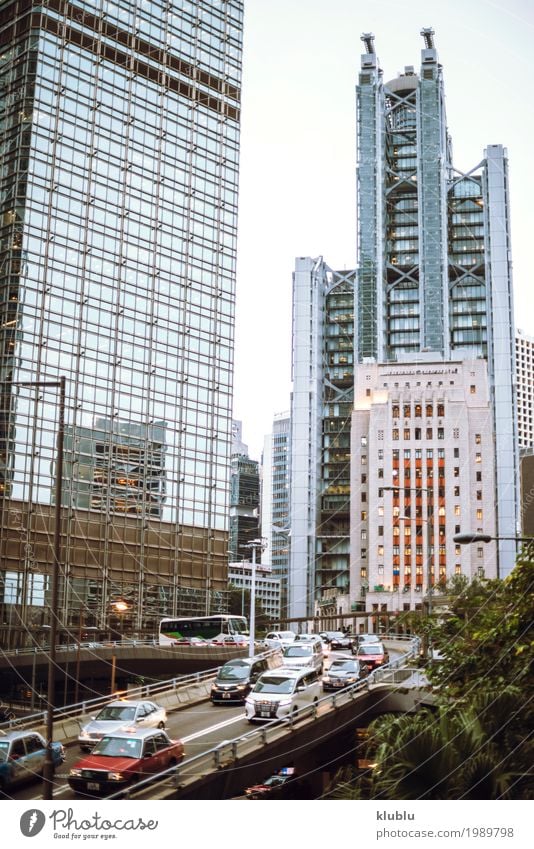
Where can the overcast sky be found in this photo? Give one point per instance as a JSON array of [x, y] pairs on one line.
[[298, 156]]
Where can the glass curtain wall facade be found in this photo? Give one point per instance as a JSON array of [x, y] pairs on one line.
[[244, 505], [275, 487], [321, 406], [119, 151]]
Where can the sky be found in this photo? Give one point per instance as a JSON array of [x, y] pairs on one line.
[[298, 151]]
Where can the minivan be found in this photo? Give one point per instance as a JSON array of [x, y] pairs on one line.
[[301, 653], [281, 693], [236, 678]]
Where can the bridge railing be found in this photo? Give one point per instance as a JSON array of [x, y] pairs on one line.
[[144, 691], [64, 647], [161, 688], [226, 753]]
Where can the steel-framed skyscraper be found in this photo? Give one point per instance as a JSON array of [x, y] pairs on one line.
[[434, 255], [119, 154], [433, 283]]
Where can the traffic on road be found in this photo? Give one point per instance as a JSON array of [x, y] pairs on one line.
[[129, 740]]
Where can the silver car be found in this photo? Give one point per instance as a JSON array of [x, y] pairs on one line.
[[120, 716]]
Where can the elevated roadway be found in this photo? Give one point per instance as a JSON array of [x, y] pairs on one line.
[[223, 754]]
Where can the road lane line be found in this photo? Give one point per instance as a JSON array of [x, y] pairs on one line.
[[212, 728]]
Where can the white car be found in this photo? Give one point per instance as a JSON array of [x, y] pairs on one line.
[[280, 693], [278, 639], [121, 715]]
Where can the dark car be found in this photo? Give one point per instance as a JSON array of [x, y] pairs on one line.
[[236, 678], [372, 654], [343, 673], [339, 640], [121, 759], [22, 757]]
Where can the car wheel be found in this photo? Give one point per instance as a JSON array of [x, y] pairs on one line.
[[161, 725]]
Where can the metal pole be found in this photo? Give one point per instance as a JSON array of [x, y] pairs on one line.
[[252, 603], [76, 683], [430, 571], [48, 770]]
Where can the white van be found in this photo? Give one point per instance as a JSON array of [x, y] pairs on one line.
[[282, 692], [301, 653]]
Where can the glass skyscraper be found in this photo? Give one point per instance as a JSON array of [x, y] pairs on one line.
[[119, 151], [433, 283]]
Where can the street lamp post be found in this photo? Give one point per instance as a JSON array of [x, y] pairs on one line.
[[254, 545], [48, 769], [120, 606], [467, 539]]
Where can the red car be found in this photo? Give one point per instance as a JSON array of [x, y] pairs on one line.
[[124, 758], [372, 654], [272, 787]]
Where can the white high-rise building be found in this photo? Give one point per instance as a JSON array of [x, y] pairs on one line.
[[422, 471], [524, 359]]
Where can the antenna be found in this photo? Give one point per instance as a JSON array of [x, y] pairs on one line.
[[368, 39], [428, 35]]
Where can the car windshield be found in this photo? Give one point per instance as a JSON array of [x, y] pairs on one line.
[[373, 648], [274, 780], [234, 672], [274, 684], [4, 748], [344, 666], [118, 747], [116, 713], [298, 651]]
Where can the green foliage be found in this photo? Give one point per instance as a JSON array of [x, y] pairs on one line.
[[477, 752], [486, 638], [477, 743]]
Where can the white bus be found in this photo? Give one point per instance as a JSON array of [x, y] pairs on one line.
[[182, 628]]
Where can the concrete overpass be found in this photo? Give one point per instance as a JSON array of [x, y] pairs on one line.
[[89, 670], [320, 737]]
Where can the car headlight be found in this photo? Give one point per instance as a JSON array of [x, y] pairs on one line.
[[241, 686], [285, 703], [75, 773], [84, 734], [115, 776], [326, 679], [249, 701]]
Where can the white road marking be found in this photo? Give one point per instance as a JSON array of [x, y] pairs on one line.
[[213, 728]]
